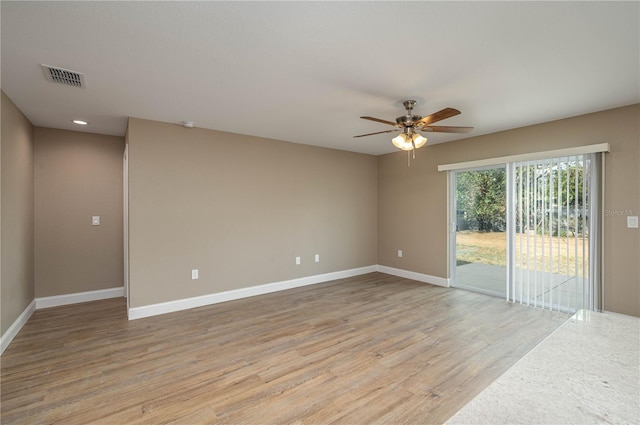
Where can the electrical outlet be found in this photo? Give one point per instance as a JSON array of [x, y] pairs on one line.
[[297, 261], [194, 274], [632, 221], [95, 220], [317, 258], [400, 253]]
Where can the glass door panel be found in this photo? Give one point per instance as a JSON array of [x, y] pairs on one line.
[[480, 230], [552, 235]]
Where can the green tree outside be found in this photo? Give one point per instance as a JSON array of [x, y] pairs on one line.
[[481, 199]]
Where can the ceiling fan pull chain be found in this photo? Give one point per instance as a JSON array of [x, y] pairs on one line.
[[408, 159]]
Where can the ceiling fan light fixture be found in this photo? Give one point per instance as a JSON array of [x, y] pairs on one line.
[[409, 141], [408, 146], [403, 142], [399, 141], [419, 140]]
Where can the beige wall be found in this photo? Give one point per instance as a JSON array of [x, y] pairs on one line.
[[16, 287], [240, 209], [77, 175], [419, 193]]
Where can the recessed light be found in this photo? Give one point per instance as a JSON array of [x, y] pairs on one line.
[[80, 122]]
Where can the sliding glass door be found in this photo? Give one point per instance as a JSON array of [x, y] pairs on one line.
[[528, 230]]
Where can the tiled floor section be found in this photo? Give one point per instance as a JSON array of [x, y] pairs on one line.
[[586, 372]]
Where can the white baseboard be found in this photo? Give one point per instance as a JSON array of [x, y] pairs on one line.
[[187, 303], [420, 277], [55, 301], [13, 330], [79, 297]]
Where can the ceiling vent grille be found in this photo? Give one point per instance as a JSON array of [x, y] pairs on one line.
[[63, 76]]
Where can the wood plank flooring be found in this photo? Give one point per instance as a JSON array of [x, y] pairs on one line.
[[364, 350]]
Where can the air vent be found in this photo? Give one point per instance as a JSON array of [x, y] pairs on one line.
[[63, 76]]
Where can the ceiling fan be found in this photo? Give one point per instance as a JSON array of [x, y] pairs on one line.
[[410, 139]]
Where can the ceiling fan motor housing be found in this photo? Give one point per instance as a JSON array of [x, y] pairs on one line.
[[407, 120]]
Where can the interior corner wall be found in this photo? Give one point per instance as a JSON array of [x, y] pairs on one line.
[[419, 192], [240, 209], [16, 214], [77, 175]]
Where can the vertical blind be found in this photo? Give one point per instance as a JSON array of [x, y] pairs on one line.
[[554, 232]]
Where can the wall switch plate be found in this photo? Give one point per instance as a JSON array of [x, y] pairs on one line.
[[632, 221], [194, 274], [400, 253], [95, 220], [317, 258], [297, 261]]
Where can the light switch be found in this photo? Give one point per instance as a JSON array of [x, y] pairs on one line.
[[632, 221], [95, 220], [399, 253]]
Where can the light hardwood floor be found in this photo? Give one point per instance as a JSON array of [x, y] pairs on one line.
[[370, 349]]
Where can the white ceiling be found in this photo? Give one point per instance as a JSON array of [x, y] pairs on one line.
[[305, 72]]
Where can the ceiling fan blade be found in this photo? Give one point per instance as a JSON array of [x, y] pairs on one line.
[[379, 132], [438, 116], [379, 120], [445, 129]]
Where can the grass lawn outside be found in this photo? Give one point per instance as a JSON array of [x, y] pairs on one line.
[[491, 248]]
